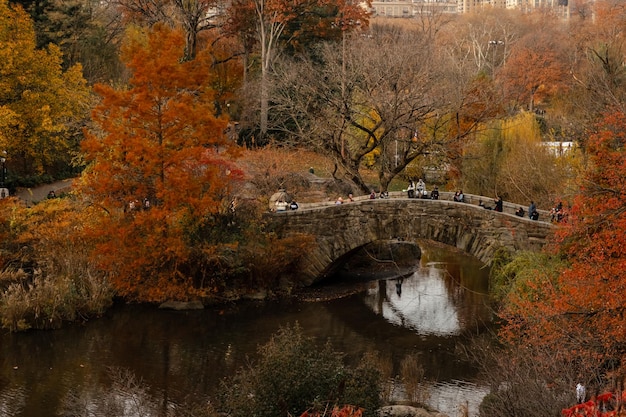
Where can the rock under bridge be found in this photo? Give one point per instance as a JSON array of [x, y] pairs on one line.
[[341, 229]]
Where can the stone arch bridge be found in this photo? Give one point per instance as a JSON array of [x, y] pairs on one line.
[[341, 229]]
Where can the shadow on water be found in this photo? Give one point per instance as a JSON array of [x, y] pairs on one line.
[[178, 356]]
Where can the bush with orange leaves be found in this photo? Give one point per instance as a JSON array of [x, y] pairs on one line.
[[345, 411]]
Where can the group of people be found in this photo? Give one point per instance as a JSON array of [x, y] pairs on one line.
[[134, 205], [556, 213], [383, 194], [340, 200], [285, 205], [418, 190]]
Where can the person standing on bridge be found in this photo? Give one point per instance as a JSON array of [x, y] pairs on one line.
[[531, 209]]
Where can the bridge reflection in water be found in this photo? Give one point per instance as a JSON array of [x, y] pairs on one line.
[[418, 302], [442, 305], [179, 356]]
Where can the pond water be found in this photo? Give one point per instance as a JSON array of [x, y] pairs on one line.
[[166, 358]]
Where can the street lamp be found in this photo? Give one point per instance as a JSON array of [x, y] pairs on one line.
[[3, 191], [493, 45]]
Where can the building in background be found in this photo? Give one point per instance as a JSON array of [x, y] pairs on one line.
[[412, 8]]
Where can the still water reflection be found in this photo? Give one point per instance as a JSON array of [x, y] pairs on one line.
[[178, 357]]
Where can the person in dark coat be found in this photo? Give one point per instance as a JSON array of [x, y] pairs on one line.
[[499, 204]]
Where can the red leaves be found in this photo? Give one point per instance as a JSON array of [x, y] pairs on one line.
[[345, 411], [581, 314], [594, 407]]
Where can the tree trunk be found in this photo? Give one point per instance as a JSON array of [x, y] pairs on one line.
[[264, 107]]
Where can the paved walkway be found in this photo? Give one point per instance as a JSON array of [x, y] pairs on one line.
[[36, 194]]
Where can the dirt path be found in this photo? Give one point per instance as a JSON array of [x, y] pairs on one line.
[[39, 193]]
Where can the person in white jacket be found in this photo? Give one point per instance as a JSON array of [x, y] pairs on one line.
[[420, 188], [580, 393]]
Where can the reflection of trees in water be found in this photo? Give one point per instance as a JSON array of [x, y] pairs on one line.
[[181, 354], [12, 400], [127, 396]]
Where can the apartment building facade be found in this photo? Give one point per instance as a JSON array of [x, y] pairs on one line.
[[411, 8]]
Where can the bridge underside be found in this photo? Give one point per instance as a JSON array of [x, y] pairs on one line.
[[377, 260], [341, 229]]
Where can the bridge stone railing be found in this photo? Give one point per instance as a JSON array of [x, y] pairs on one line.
[[471, 199], [340, 229]]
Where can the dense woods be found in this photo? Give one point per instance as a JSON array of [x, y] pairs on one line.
[[178, 120]]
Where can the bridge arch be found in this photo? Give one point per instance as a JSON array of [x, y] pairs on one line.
[[341, 229]]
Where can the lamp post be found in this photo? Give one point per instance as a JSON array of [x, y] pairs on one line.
[[3, 191], [493, 45]]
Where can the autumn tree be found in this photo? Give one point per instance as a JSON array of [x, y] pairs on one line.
[[42, 108], [86, 33], [382, 101], [536, 70], [508, 159], [271, 25], [193, 17], [577, 311], [159, 167], [599, 78], [482, 42]]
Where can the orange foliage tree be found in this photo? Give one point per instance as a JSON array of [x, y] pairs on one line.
[[161, 170], [578, 313], [535, 70]]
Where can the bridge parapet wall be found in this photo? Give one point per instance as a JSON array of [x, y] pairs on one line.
[[471, 199], [340, 229]]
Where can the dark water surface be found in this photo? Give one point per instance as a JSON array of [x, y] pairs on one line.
[[173, 357]]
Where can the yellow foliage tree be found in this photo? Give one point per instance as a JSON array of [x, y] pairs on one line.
[[42, 108], [511, 161]]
